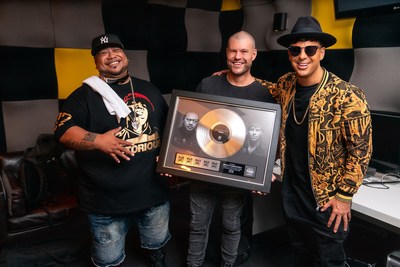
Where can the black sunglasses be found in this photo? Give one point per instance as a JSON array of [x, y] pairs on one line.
[[296, 50]]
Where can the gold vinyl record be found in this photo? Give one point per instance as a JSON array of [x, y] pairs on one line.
[[221, 133]]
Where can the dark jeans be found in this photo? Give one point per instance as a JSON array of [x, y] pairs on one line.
[[315, 247], [315, 244], [203, 199]]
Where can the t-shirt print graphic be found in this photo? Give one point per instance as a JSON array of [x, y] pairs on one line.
[[136, 127]]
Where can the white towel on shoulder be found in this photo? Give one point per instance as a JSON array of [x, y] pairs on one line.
[[114, 104]]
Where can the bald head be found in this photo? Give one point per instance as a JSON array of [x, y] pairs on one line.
[[242, 35], [190, 121]]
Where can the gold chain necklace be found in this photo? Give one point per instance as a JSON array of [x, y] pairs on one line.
[[134, 120], [294, 113], [321, 83]]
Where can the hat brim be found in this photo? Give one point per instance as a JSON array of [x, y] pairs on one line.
[[102, 46], [326, 39]]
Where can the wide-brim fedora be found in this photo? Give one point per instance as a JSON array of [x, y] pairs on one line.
[[307, 28]]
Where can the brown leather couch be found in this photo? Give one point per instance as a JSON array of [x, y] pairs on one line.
[[16, 219]]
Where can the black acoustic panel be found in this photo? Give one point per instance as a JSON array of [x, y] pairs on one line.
[[30, 73], [60, 103], [129, 20], [174, 3], [271, 65], [377, 31], [230, 22], [210, 5], [167, 70], [340, 62], [166, 27], [200, 65]]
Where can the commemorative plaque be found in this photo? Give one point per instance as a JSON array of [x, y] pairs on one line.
[[222, 140]]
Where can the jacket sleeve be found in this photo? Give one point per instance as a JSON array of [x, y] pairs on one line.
[[272, 88], [357, 131]]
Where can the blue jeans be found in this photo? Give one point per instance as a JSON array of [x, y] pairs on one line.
[[203, 199], [109, 232]]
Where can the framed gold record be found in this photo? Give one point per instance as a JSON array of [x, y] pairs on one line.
[[207, 138], [221, 133]]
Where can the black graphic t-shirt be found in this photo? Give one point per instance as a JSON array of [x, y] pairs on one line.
[[105, 186], [219, 85]]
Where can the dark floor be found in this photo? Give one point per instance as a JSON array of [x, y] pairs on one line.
[[269, 249], [70, 248]]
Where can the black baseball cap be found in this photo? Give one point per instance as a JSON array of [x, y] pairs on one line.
[[104, 41]]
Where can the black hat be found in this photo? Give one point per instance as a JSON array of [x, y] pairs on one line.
[[307, 28], [104, 41]]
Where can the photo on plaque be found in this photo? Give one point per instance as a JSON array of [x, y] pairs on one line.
[[222, 140]]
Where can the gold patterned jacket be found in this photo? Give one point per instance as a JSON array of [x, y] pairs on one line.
[[339, 135]]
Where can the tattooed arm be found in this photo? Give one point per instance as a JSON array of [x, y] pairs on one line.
[[79, 139]]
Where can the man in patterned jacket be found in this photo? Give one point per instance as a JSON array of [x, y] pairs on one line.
[[326, 146]]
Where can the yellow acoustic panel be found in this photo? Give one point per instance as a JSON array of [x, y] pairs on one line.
[[324, 12], [228, 5], [72, 67]]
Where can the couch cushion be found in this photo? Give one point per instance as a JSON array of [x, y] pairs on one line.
[[59, 211]]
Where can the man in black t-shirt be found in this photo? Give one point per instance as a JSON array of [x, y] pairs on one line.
[[237, 82], [114, 122]]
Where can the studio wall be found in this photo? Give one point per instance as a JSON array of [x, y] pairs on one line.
[[45, 49]]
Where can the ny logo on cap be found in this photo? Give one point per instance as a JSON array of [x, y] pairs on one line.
[[104, 39]]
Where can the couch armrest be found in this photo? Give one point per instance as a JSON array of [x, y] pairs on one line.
[[3, 212], [14, 194]]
